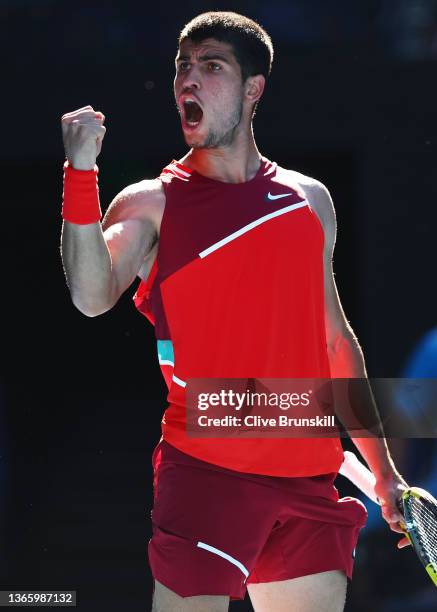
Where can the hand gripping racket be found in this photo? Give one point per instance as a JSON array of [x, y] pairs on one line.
[[420, 513], [418, 507]]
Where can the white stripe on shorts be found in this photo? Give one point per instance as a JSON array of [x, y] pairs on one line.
[[219, 552]]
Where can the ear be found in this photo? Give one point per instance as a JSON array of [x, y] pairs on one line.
[[254, 87]]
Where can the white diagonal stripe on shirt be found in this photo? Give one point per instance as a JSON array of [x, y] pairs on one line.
[[250, 226]]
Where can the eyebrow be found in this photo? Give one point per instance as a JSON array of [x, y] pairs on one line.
[[204, 58]]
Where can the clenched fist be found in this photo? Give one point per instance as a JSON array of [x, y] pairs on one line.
[[82, 133]]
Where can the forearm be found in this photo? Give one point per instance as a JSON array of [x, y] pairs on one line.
[[88, 268], [377, 455], [347, 362], [346, 359]]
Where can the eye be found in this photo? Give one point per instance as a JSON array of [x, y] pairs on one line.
[[213, 67], [183, 66]]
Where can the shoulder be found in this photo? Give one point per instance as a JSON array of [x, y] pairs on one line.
[[318, 196], [142, 201], [139, 197], [313, 189]]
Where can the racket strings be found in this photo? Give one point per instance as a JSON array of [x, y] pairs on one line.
[[424, 519]]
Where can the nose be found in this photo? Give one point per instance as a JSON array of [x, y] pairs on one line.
[[192, 79]]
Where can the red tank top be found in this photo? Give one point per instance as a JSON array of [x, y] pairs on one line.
[[236, 291]]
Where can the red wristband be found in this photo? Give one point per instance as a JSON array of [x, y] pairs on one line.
[[81, 203]]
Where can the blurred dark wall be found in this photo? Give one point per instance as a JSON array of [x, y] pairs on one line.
[[344, 111]]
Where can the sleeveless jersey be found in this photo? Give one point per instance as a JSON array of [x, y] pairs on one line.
[[236, 290]]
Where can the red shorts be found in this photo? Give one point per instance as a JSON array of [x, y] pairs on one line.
[[216, 530]]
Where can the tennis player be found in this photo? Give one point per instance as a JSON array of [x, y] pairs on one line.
[[234, 254]]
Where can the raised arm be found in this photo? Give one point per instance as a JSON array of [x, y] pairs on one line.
[[102, 259]]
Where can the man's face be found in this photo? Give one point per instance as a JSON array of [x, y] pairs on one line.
[[209, 93]]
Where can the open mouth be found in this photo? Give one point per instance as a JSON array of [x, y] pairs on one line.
[[192, 112]]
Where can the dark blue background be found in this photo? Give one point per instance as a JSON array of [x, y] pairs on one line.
[[351, 101]]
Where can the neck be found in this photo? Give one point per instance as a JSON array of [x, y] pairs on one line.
[[236, 163]]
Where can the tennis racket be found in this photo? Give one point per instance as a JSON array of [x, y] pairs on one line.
[[418, 507]]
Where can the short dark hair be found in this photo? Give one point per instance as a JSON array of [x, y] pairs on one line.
[[251, 44]]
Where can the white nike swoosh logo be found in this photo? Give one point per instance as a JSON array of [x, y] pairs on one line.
[[277, 197]]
